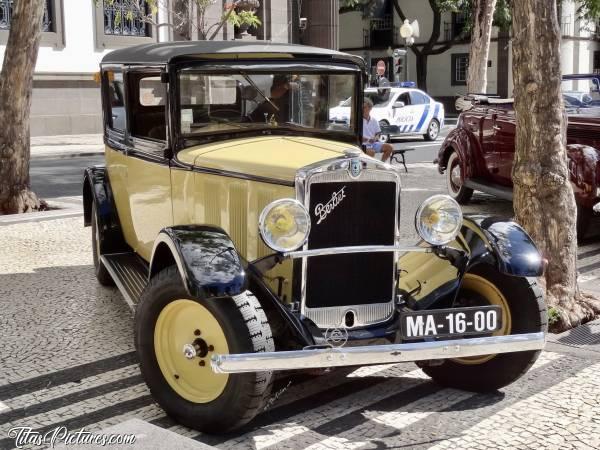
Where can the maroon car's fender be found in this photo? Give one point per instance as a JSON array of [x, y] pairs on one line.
[[584, 172], [466, 145]]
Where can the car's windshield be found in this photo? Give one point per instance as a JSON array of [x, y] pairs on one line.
[[211, 103], [582, 96]]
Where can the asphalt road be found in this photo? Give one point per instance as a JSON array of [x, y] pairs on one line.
[[60, 177]]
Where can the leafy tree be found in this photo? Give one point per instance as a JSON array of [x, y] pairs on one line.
[[543, 196]]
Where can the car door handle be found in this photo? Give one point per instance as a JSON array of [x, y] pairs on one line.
[[497, 128]]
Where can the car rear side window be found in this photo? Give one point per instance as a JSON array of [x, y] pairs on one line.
[[147, 101], [115, 100], [417, 98]]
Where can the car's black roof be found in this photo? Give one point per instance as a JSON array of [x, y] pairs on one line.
[[168, 52]]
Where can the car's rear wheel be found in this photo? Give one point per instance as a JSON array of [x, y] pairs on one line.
[[455, 180], [102, 274], [523, 311], [384, 138], [176, 335], [433, 130]]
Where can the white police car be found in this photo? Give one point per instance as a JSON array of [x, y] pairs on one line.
[[401, 110]]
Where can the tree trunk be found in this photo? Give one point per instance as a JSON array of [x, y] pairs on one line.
[[16, 83], [483, 16], [421, 71], [543, 197]]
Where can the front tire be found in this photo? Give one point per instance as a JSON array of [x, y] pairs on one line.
[[454, 180], [168, 321], [384, 138], [523, 311]]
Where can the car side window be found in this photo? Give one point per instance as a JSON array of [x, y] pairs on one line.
[[418, 99], [147, 96], [116, 101], [404, 98]]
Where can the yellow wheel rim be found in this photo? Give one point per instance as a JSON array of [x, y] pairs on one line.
[[176, 327], [493, 296]]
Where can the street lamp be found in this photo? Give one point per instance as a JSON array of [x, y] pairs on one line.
[[409, 31]]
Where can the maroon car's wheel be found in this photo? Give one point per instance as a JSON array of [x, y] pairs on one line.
[[454, 181]]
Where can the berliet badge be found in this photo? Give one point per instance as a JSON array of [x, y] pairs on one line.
[[323, 210], [336, 337], [355, 167]]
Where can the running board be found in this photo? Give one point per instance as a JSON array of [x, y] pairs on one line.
[[492, 189], [130, 274]]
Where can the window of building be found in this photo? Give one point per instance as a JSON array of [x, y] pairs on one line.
[[596, 68], [52, 32], [121, 23], [460, 66]]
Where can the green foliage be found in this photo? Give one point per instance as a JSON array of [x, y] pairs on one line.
[[244, 18], [553, 316], [503, 15], [589, 10]]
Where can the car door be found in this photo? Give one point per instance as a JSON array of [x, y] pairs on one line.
[[147, 167], [489, 148], [504, 139]]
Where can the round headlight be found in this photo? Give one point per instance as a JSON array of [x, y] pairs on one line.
[[284, 225], [438, 219]]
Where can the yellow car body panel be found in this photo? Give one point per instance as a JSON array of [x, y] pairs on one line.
[[142, 192], [277, 157]]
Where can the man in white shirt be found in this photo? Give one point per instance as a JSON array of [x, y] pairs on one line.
[[371, 132]]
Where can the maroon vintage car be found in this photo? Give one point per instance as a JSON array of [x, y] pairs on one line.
[[478, 154]]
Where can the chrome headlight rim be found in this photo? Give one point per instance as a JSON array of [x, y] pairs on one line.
[[426, 203], [263, 216]]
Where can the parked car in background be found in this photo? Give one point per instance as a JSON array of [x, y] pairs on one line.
[[401, 111], [479, 153]]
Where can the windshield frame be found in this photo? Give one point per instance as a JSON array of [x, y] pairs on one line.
[[251, 67]]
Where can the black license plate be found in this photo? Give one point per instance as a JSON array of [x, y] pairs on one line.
[[480, 320]]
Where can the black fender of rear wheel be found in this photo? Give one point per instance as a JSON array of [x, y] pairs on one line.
[[528, 315], [208, 262], [246, 330], [97, 191]]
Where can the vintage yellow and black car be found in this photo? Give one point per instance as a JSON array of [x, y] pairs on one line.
[[253, 236]]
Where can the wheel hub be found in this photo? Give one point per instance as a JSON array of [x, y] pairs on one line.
[[455, 176]]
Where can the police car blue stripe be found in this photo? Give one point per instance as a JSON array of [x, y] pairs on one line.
[[423, 117], [410, 128], [436, 112]]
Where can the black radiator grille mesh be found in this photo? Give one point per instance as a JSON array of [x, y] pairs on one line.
[[349, 214]]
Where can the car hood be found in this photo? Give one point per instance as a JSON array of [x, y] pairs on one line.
[[275, 157]]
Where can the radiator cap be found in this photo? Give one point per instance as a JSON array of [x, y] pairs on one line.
[[353, 152]]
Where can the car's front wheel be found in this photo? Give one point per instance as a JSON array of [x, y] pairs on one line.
[[433, 130], [454, 180], [523, 311], [176, 335]]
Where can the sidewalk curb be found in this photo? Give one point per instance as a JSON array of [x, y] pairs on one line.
[[65, 155]]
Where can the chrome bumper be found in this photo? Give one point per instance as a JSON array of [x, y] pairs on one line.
[[376, 354]]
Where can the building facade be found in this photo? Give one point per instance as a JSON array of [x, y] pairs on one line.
[[447, 72], [78, 33]]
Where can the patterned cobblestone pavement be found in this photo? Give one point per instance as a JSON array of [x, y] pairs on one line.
[[67, 358]]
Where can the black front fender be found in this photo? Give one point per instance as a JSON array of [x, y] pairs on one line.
[[502, 243], [208, 262]]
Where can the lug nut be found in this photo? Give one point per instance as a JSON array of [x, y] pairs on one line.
[[202, 363], [176, 377], [211, 348], [197, 333]]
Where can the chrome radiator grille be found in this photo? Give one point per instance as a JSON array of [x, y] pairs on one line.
[[348, 211]]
